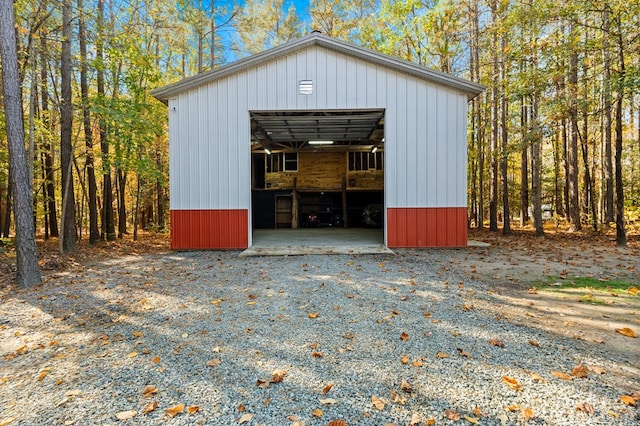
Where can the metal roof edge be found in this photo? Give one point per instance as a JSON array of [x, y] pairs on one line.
[[468, 87]]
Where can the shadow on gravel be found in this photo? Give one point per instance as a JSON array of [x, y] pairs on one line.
[[208, 329]]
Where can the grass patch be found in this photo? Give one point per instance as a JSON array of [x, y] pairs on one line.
[[591, 290]]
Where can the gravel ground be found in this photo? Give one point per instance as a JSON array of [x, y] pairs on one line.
[[217, 333]]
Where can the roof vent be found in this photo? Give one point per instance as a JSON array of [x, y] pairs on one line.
[[305, 87]]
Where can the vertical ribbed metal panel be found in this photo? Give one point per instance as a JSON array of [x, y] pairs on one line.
[[425, 130]]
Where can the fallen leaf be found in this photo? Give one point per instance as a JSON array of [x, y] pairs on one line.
[[149, 407], [262, 383], [626, 331], [404, 359], [313, 314], [586, 408], [496, 342], [415, 420], [349, 336], [132, 354], [126, 415], [149, 391], [175, 410], [477, 412], [405, 386], [560, 375], [277, 376], [214, 362], [397, 398], [417, 363], [512, 383], [138, 334], [327, 401], [628, 400], [534, 343], [6, 421], [536, 376], [527, 413], [430, 422], [612, 414], [245, 418], [317, 413], [192, 409], [156, 359], [241, 408], [338, 422], [596, 370], [327, 388], [404, 337], [427, 314], [442, 355], [42, 375], [463, 353], [314, 345], [317, 354], [580, 372], [452, 415], [472, 420], [378, 402]]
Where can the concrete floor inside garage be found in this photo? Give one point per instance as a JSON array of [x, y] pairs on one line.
[[291, 242]]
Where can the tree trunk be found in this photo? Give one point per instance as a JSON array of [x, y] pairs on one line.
[[47, 148], [28, 273], [493, 190], [504, 136], [160, 206], [94, 232], [108, 221], [621, 233], [574, 202], [6, 228], [536, 156], [122, 208], [589, 202], [607, 166], [524, 164], [68, 243]]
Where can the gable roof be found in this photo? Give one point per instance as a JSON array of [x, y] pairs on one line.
[[470, 88]]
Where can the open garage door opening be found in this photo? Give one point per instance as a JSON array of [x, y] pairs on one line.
[[317, 177]]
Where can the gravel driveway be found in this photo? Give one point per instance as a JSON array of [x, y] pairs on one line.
[[400, 339]]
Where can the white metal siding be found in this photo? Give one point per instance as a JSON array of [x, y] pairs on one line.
[[425, 128]]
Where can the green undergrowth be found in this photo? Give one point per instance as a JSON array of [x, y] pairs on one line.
[[592, 290]]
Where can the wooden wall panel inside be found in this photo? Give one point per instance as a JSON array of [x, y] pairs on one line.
[[324, 171]]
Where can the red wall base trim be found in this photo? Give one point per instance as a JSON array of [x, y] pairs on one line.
[[427, 227], [209, 229]]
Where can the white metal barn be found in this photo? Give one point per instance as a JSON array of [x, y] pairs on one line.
[[318, 126]]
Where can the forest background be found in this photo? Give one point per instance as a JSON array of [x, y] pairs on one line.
[[556, 133]]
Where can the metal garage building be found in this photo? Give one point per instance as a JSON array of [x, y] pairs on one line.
[[317, 124]]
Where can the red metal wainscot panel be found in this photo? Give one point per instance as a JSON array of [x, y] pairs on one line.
[[427, 227], [209, 229]]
